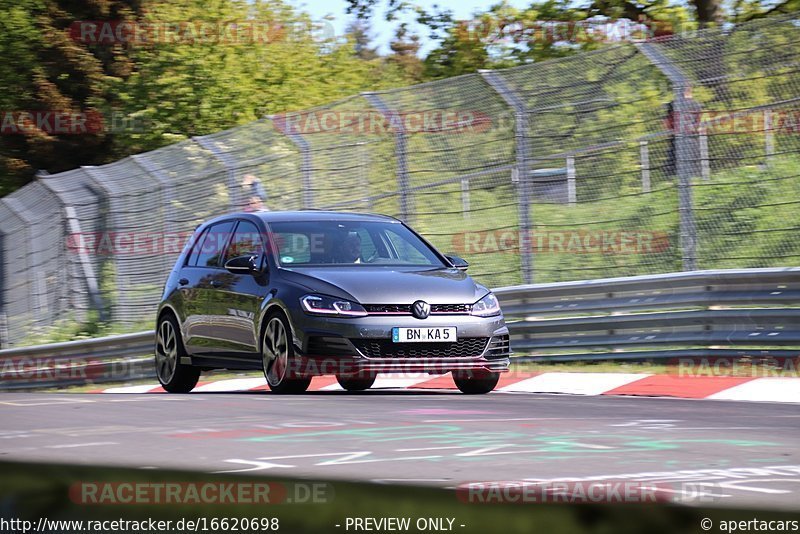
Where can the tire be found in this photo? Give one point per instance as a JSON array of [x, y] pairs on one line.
[[475, 382], [278, 358], [173, 376], [356, 382]]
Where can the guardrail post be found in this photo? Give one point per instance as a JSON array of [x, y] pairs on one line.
[[230, 166], [522, 170], [401, 153], [644, 151], [683, 163]]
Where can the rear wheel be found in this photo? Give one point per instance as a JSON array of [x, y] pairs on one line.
[[277, 354], [356, 382], [475, 382], [174, 376]]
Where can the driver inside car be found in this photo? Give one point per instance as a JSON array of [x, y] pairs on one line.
[[349, 250]]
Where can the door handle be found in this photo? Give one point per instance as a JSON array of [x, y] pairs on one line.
[[215, 283], [183, 281]]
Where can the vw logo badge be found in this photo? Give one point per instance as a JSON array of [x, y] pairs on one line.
[[421, 309]]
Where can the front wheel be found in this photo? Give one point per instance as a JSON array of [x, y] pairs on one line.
[[277, 354], [357, 382], [174, 376], [475, 382]]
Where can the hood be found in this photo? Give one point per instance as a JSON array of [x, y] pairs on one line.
[[389, 285]]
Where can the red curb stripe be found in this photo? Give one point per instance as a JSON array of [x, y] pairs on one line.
[[687, 387]]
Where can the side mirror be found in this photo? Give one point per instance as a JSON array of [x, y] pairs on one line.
[[459, 263], [244, 265]]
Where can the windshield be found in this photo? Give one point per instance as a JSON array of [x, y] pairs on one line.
[[338, 243]]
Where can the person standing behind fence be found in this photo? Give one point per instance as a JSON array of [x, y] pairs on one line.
[[254, 193]]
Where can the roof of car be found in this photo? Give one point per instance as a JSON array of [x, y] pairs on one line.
[[309, 215]]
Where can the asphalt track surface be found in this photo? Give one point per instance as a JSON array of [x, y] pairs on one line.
[[718, 453]]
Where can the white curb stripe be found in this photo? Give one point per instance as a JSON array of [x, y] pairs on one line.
[[574, 383], [234, 384], [775, 389]]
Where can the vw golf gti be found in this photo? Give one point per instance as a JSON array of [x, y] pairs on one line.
[[300, 294]]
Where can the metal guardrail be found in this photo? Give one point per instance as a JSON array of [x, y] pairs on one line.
[[717, 313], [87, 361], [723, 313]]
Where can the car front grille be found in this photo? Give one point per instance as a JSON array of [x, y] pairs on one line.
[[468, 347], [499, 347], [405, 309]]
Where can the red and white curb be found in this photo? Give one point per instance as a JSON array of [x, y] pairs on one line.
[[770, 389]]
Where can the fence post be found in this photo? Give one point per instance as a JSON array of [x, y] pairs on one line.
[[19, 210], [571, 194], [705, 166], [74, 228], [522, 169], [465, 205], [230, 167], [401, 153], [769, 135], [305, 161], [644, 152], [683, 163]]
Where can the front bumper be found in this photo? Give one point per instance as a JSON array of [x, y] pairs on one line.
[[344, 346]]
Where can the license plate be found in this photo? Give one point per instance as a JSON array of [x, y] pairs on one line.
[[445, 334]]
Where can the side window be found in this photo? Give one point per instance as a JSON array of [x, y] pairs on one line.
[[191, 261], [406, 251], [294, 247], [367, 246], [214, 244], [246, 242]]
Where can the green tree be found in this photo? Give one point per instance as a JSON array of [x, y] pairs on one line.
[[46, 69]]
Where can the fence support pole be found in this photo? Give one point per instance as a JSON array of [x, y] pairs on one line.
[[305, 161], [230, 166], [705, 165], [521, 171], [769, 135], [572, 196], [644, 152], [74, 228], [19, 211], [465, 205], [400, 150], [683, 153]]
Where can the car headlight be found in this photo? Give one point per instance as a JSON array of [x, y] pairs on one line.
[[320, 305], [487, 306]]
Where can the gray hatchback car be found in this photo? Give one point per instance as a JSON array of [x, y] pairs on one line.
[[307, 293]]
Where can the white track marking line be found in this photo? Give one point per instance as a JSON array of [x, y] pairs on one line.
[[132, 389], [75, 445]]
